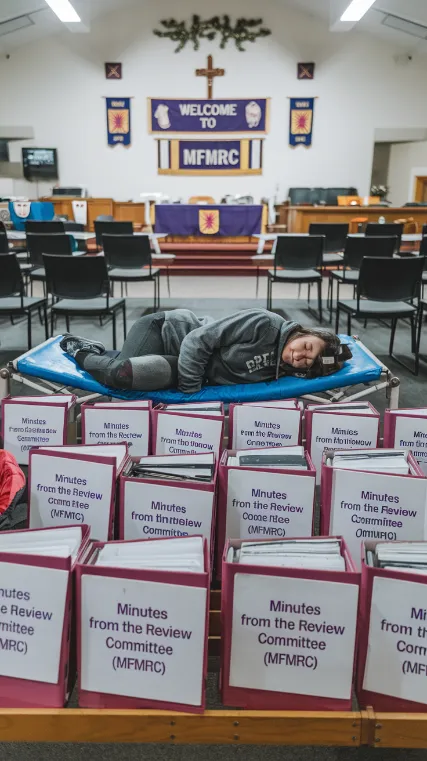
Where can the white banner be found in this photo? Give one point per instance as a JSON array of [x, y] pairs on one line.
[[262, 505], [293, 635], [177, 434], [32, 606], [397, 649], [412, 433], [265, 427], [339, 431], [112, 426], [376, 506], [80, 211], [69, 491], [32, 425], [153, 510], [142, 639]]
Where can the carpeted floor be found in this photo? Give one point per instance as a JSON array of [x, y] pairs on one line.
[[220, 297]]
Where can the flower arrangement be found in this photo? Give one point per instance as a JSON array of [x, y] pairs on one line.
[[379, 190]]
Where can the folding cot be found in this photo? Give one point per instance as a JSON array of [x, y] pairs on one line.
[[46, 369]]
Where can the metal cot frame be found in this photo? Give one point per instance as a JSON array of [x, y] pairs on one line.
[[387, 382]]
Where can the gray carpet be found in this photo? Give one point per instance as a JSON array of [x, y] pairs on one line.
[[151, 752], [412, 394]]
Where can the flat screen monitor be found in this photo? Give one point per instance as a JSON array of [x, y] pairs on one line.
[[40, 163]]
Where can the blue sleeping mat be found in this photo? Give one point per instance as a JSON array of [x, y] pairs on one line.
[[49, 363]]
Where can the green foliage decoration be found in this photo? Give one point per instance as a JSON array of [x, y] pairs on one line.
[[243, 30]]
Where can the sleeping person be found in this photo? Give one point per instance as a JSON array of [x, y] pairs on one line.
[[177, 349]]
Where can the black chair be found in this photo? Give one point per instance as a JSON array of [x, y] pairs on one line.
[[423, 253], [335, 238], [393, 229], [73, 227], [13, 302], [299, 196], [128, 260], [355, 250], [424, 231], [18, 247], [37, 245], [386, 292], [325, 196], [331, 195], [104, 227], [422, 309], [301, 260], [82, 286], [43, 228], [4, 243]]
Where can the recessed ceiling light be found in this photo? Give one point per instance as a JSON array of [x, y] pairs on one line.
[[64, 10], [356, 10]]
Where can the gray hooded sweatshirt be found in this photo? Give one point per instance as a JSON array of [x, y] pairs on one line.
[[245, 347]]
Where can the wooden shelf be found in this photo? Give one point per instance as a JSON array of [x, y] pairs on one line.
[[219, 727], [222, 727], [400, 730]]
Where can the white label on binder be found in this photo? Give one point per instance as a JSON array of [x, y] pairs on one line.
[[115, 425], [411, 433], [265, 427], [153, 510], [143, 639], [263, 505], [177, 434], [65, 492], [376, 506], [341, 431], [32, 425], [32, 607], [397, 648], [293, 635]]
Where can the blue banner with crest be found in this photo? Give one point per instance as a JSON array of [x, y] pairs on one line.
[[301, 121], [118, 121]]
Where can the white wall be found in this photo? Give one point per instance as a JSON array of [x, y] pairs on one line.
[[57, 86], [407, 160]]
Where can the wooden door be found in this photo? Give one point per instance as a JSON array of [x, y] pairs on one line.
[[421, 189]]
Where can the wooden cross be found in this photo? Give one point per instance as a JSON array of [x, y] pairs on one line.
[[210, 73]]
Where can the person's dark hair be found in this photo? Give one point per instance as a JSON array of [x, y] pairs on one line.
[[333, 356]]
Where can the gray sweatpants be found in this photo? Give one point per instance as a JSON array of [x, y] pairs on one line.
[[141, 364]]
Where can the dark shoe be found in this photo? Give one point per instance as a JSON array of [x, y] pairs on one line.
[[73, 344]]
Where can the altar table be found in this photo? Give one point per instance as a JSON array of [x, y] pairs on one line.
[[208, 221]]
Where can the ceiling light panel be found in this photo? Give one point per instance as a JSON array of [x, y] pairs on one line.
[[64, 10], [356, 10]]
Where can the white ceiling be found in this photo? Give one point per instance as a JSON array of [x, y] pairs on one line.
[[43, 21], [411, 10]]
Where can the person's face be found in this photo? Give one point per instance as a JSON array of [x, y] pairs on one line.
[[301, 352]]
